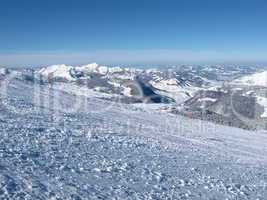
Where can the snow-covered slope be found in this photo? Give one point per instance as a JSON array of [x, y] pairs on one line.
[[3, 71], [90, 148], [263, 102], [172, 88], [257, 79]]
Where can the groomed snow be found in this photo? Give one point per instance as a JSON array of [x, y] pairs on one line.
[[108, 150]]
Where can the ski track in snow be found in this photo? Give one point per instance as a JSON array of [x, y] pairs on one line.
[[108, 150]]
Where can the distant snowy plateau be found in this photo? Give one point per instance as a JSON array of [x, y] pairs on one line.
[[98, 132]]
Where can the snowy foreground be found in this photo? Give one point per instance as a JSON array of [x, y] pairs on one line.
[[107, 150]]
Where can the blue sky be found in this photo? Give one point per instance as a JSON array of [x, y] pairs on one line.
[[39, 32]]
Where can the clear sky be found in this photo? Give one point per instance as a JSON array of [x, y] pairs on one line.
[[39, 32]]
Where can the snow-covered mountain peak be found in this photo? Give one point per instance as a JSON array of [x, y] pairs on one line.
[[56, 71], [102, 70], [92, 67], [71, 73]]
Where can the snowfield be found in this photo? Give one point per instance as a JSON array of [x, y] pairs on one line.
[[67, 143], [257, 79]]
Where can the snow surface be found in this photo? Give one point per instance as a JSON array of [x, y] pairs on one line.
[[57, 71], [107, 150], [167, 84], [2, 71], [63, 71], [115, 69], [87, 69], [103, 70], [172, 89], [257, 79], [263, 102], [127, 91], [207, 99], [92, 68]]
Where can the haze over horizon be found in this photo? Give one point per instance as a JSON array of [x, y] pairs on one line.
[[133, 32]]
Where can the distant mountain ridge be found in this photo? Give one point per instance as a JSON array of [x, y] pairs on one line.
[[229, 95]]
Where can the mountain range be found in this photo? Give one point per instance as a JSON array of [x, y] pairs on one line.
[[230, 95]]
